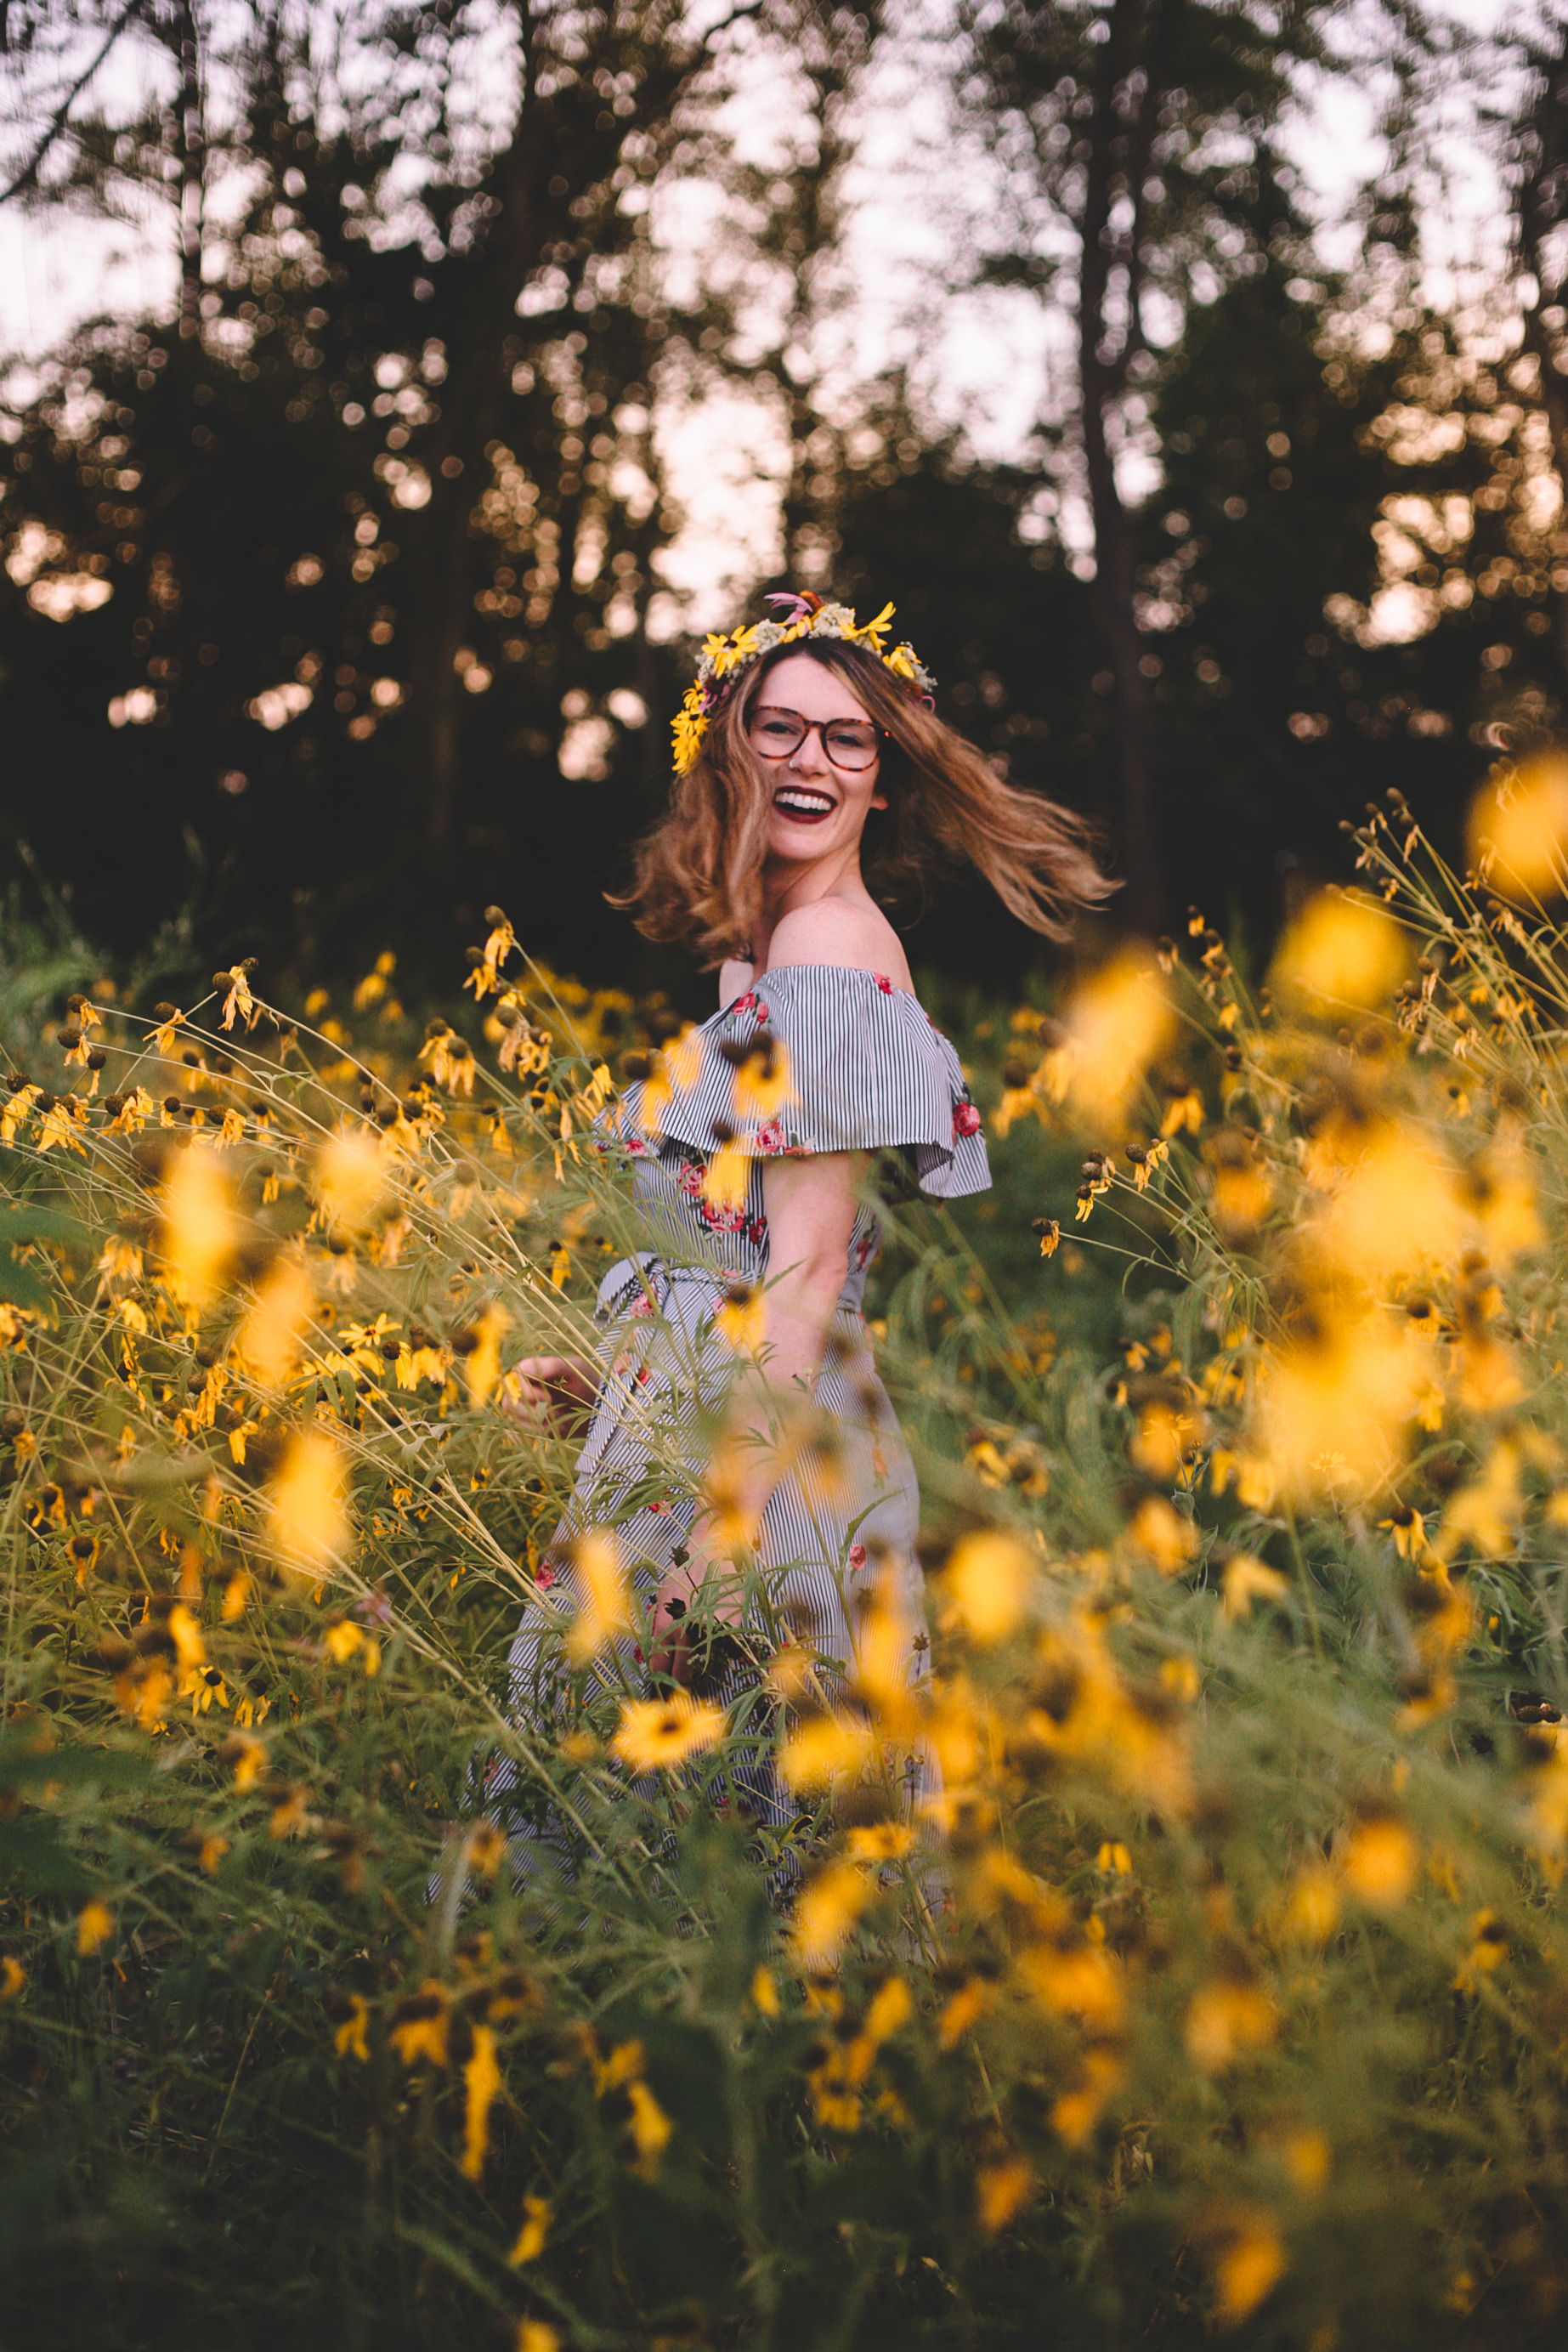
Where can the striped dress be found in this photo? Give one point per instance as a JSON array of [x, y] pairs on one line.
[[812, 1058]]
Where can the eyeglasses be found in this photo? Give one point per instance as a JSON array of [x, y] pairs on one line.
[[851, 744]]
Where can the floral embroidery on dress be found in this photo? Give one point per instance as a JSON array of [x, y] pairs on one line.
[[966, 1119], [857, 1556], [884, 982]]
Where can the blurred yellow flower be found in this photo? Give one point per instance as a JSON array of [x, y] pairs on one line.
[[200, 1230], [825, 1910], [1343, 953], [1248, 2264], [1000, 2191], [310, 1530], [95, 1926], [532, 2236], [986, 1586], [1518, 829], [1378, 1862], [1113, 1027], [604, 1608], [1227, 2019], [1244, 1579], [482, 2086]]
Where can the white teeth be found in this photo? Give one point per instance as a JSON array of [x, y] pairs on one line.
[[811, 803]]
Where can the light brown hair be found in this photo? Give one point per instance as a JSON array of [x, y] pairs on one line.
[[698, 872]]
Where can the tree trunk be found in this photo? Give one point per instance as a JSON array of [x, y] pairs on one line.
[[1140, 33]]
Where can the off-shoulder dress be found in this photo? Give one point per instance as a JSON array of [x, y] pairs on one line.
[[865, 1071]]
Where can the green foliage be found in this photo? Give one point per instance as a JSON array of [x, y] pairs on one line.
[[1241, 2001]]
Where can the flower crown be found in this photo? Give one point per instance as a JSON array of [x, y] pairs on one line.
[[806, 615]]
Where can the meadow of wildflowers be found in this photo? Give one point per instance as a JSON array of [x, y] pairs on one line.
[[1224, 1986]]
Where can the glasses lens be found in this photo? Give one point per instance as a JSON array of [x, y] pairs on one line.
[[776, 733], [849, 743]]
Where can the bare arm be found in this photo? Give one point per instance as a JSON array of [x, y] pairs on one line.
[[811, 1206]]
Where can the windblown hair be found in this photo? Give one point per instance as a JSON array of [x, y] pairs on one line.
[[698, 872]]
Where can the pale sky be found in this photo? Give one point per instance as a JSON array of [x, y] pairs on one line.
[[911, 203]]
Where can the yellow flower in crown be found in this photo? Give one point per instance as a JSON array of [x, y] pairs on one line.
[[723, 659]]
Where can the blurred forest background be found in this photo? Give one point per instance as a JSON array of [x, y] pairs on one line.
[[504, 341]]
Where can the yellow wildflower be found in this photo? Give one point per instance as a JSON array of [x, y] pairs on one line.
[[418, 2025], [95, 1926], [532, 2236], [658, 1735], [482, 2086]]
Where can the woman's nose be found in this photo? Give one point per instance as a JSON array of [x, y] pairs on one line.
[[808, 756]]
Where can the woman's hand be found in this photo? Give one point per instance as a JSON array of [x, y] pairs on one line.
[[550, 1390], [675, 1648]]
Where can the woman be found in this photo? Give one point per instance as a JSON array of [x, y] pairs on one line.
[[810, 767]]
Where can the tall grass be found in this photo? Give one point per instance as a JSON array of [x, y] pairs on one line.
[[1237, 1997]]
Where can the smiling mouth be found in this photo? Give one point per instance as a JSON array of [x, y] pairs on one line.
[[807, 807]]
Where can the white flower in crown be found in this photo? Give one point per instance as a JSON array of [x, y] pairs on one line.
[[723, 659]]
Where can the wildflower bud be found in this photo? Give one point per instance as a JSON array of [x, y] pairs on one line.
[[722, 1131], [471, 956], [390, 1351], [1052, 1034], [164, 1012], [367, 1099], [77, 1002], [436, 1028], [1043, 1224], [13, 1422], [1345, 826], [1015, 1072], [635, 1066], [738, 1293], [493, 916], [222, 978], [113, 1105], [734, 1051], [464, 1341], [47, 1102], [1232, 1057], [172, 1104], [1137, 1158], [97, 1059], [16, 1080], [412, 1107], [69, 1037]]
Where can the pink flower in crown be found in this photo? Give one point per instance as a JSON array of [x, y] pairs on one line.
[[857, 1556], [884, 982], [966, 1119]]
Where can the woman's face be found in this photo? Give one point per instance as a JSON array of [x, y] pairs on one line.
[[819, 807]]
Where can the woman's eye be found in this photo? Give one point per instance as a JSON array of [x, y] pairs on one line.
[[774, 730]]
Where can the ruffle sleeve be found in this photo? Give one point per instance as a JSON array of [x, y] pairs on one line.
[[816, 1057]]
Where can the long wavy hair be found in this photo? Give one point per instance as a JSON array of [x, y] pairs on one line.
[[698, 871]]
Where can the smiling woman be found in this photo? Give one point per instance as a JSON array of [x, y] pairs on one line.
[[811, 764]]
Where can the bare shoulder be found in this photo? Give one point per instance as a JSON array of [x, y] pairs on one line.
[[839, 931], [735, 977]]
